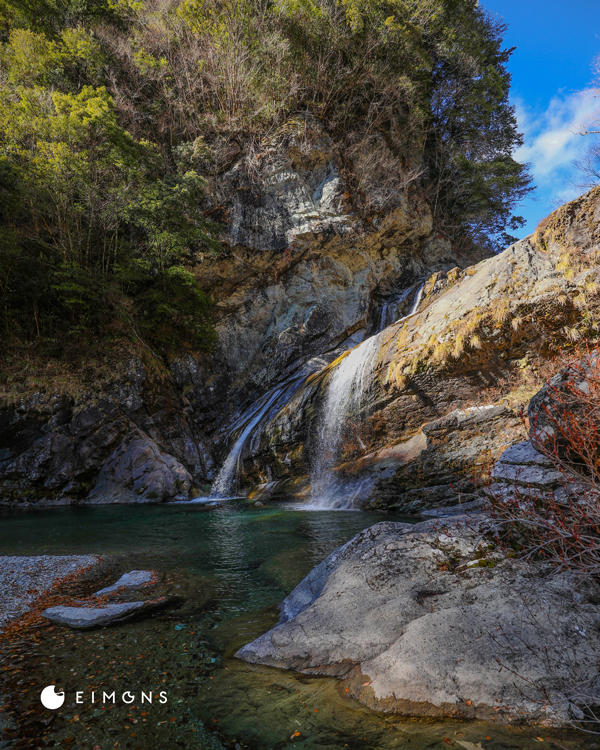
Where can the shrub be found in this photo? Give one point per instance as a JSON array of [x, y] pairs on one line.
[[563, 526]]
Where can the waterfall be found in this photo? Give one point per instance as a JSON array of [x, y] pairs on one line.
[[253, 420], [416, 303], [257, 414], [344, 395], [390, 309]]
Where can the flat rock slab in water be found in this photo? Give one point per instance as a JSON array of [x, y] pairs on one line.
[[132, 580], [83, 618]]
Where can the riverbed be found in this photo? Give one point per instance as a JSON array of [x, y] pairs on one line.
[[230, 567]]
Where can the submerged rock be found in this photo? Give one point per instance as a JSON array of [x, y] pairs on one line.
[[83, 618], [132, 580], [429, 620]]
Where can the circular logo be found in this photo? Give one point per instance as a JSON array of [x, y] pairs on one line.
[[50, 698]]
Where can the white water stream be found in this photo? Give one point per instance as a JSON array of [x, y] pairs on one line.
[[226, 481], [345, 391], [344, 394]]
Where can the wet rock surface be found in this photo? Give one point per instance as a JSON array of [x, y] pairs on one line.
[[132, 580], [432, 620], [84, 618]]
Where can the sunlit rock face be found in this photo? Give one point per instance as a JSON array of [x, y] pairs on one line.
[[275, 310], [311, 257], [288, 188], [481, 337], [433, 620]]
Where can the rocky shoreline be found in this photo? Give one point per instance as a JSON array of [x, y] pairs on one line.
[[435, 620], [23, 579]]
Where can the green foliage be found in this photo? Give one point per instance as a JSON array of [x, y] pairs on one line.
[[111, 112], [170, 306], [83, 199]]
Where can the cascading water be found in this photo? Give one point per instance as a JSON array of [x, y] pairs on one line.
[[345, 391], [388, 313], [416, 303], [389, 310], [225, 483], [253, 420]]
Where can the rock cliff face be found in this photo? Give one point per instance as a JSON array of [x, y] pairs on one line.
[[304, 275], [308, 274], [479, 339], [292, 187], [117, 445]]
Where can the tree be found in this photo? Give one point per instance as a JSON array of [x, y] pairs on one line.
[[87, 200], [114, 112]]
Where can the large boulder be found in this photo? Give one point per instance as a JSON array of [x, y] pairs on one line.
[[431, 620], [139, 471]]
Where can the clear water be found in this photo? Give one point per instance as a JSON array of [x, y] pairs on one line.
[[231, 566]]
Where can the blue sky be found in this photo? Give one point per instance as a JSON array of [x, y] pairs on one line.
[[552, 88]]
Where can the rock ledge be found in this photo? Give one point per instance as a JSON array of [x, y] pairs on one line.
[[430, 620]]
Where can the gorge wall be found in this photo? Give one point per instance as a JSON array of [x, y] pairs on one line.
[[450, 382], [306, 276]]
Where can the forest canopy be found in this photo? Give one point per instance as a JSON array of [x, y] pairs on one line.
[[113, 114]]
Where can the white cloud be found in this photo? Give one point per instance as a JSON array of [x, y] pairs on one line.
[[553, 139]]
